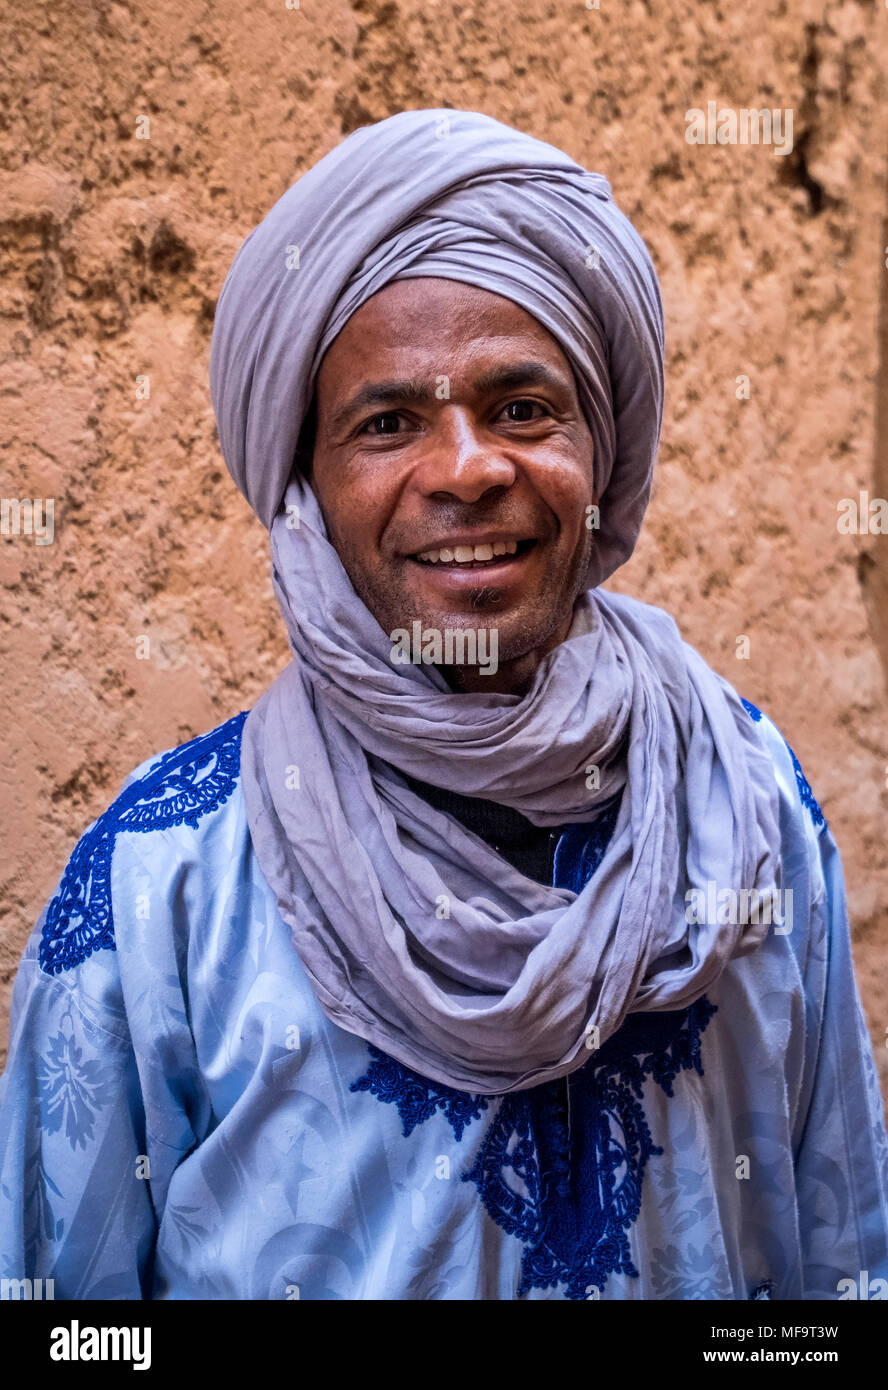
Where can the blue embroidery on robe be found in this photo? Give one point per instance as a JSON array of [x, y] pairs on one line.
[[561, 1165], [568, 1191], [185, 784], [807, 796], [416, 1097]]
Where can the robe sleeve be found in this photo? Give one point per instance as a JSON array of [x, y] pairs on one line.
[[88, 1142], [75, 1199], [842, 1155]]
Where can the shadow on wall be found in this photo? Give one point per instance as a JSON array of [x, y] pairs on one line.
[[872, 564]]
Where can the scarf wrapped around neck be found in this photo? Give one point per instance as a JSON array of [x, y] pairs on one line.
[[414, 933]]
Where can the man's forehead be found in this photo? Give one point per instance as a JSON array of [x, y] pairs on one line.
[[407, 339], [416, 304]]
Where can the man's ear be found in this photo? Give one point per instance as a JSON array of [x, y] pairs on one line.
[[304, 456]]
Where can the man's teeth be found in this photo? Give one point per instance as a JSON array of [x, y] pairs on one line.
[[465, 554]]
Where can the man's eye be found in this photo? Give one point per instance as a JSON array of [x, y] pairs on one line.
[[387, 424], [520, 412]]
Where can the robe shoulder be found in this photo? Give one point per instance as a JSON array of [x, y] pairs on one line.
[[168, 809], [802, 822]]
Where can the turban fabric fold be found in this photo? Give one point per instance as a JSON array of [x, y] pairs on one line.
[[501, 988]]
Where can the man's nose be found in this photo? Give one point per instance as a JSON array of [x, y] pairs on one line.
[[462, 460]]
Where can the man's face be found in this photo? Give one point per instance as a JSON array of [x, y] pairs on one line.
[[453, 466]]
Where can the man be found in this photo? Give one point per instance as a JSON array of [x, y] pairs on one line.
[[500, 951]]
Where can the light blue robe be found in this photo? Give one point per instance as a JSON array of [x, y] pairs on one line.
[[178, 1118]]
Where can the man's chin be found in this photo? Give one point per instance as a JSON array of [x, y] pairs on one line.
[[537, 615], [515, 633]]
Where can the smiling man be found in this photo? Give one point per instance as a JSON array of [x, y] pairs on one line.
[[500, 951]]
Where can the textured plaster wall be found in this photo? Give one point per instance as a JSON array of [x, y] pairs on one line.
[[114, 248]]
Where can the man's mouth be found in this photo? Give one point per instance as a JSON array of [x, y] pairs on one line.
[[476, 555]]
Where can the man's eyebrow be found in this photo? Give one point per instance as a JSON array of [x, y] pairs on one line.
[[520, 374], [389, 393], [381, 393]]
